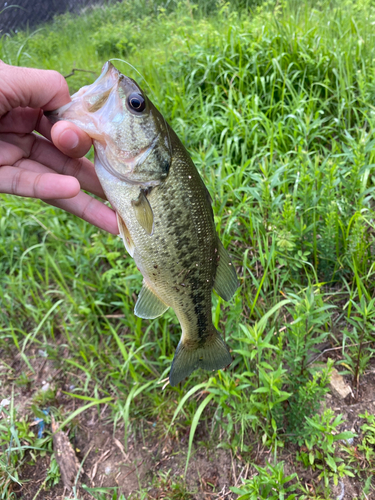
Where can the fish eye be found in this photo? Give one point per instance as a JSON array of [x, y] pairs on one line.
[[136, 102]]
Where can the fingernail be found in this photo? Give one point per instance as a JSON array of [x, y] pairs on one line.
[[69, 139]]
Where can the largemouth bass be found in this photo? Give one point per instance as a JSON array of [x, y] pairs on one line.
[[164, 213]]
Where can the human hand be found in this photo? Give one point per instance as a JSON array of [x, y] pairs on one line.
[[31, 165]]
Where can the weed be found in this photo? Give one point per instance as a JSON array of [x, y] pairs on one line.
[[23, 380], [45, 397], [270, 482], [321, 447], [357, 357], [367, 445], [16, 440], [305, 401], [171, 487], [53, 473], [310, 318], [362, 455], [106, 493]]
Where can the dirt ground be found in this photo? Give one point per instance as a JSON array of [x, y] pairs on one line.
[[150, 461]]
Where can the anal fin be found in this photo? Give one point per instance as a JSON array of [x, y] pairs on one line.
[[125, 235], [226, 282], [148, 305]]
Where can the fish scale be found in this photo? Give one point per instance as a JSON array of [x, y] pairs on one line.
[[164, 213]]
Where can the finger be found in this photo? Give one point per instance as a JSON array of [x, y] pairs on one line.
[[44, 152], [70, 139], [90, 210], [59, 191], [13, 147], [22, 182], [21, 120], [43, 126], [26, 120], [29, 87], [80, 204], [35, 148]]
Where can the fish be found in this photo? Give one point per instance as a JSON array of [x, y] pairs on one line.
[[164, 214]]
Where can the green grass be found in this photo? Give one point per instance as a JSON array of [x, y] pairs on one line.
[[275, 103]]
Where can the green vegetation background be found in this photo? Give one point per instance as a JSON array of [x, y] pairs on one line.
[[275, 102]]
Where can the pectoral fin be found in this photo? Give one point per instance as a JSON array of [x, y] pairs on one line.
[[226, 282], [125, 235], [143, 212], [148, 305]]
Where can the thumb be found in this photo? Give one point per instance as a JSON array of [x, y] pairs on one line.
[[29, 87]]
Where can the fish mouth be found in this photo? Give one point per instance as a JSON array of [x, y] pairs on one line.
[[55, 115], [84, 101]]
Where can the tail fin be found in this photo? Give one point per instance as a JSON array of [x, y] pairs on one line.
[[213, 355]]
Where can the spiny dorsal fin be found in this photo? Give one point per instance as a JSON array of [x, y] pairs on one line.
[[226, 282], [143, 212], [125, 235], [148, 305]]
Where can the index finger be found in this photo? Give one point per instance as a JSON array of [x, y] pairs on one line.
[[29, 87]]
